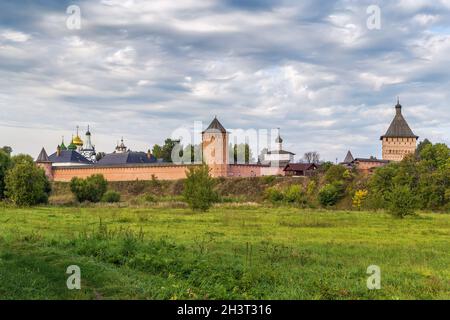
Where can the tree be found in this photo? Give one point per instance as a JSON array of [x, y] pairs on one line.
[[21, 158], [7, 149], [312, 157], [164, 152], [421, 146], [402, 202], [27, 184], [242, 153], [5, 163], [198, 188], [90, 189]]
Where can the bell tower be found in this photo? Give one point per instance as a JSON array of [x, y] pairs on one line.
[[215, 149]]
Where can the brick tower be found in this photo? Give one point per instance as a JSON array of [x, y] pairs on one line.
[[44, 162], [399, 140], [215, 149]]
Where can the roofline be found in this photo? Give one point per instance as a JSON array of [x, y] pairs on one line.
[[127, 165], [385, 136]]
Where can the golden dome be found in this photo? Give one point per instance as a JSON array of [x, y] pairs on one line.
[[77, 141]]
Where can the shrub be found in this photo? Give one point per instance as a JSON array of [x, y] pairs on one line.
[[27, 185], [198, 188], [402, 202], [111, 197], [329, 195], [137, 187], [359, 198], [273, 194], [150, 198], [294, 194], [90, 189]]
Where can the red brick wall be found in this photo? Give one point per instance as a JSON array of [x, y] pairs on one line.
[[170, 172]]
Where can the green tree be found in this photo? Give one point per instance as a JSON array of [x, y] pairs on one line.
[[336, 173], [421, 146], [199, 188], [7, 149], [241, 153], [164, 152], [5, 163], [90, 189], [21, 158], [402, 202], [27, 184]]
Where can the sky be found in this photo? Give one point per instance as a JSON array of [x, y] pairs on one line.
[[142, 69]]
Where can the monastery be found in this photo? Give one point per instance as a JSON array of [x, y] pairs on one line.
[[78, 159]]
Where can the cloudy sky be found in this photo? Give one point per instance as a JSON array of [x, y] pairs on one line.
[[141, 69]]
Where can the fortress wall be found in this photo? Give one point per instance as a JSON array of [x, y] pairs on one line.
[[125, 173], [244, 170], [272, 171]]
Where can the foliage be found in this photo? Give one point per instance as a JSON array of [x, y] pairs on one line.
[[198, 188], [359, 198], [336, 173], [402, 202], [164, 152], [99, 156], [21, 158], [111, 197], [273, 194], [90, 189], [5, 163], [329, 195], [427, 176], [241, 153], [26, 184]]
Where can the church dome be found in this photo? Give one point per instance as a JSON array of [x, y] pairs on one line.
[[77, 141]]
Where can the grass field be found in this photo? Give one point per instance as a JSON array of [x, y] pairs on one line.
[[231, 252]]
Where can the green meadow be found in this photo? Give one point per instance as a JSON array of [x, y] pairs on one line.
[[230, 252]]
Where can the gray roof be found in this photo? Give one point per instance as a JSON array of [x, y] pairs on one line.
[[349, 158], [43, 157], [399, 128], [126, 158], [215, 126], [70, 156], [280, 152]]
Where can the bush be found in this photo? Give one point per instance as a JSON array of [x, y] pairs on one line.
[[402, 202], [198, 188], [27, 185], [273, 194], [111, 197], [359, 198], [329, 195], [90, 189], [295, 194]]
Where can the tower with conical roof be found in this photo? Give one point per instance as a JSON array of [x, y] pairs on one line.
[[44, 162], [399, 140], [215, 148]]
